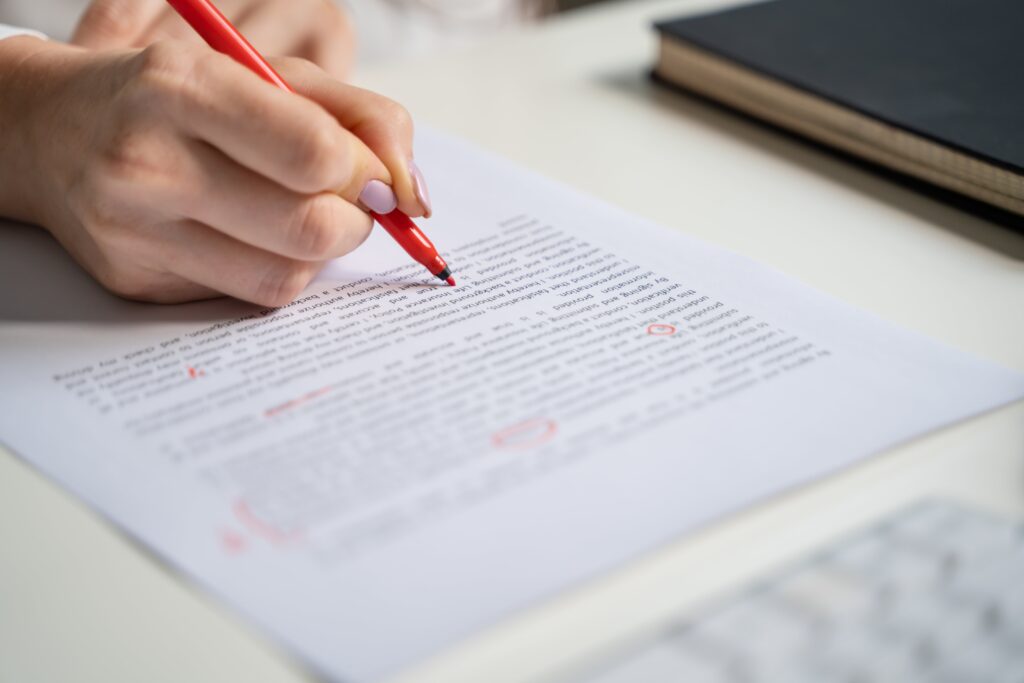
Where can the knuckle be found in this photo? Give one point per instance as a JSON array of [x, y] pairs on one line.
[[162, 58], [99, 219], [207, 62], [120, 242], [87, 199], [314, 231], [167, 73], [130, 155], [283, 283], [100, 214], [317, 157], [111, 227], [396, 114], [113, 18]]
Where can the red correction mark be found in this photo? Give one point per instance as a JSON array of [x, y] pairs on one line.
[[295, 402], [661, 330], [195, 372], [232, 541], [256, 525], [529, 434]]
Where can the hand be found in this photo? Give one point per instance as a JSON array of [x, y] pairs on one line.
[[317, 30], [172, 173]]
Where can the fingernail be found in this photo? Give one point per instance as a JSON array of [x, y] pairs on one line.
[[419, 186], [378, 197]]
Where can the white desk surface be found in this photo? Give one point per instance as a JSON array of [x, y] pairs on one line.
[[79, 602]]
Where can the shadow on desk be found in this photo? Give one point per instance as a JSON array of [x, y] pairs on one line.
[[987, 226], [42, 283]]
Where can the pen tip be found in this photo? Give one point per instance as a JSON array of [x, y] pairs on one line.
[[450, 281]]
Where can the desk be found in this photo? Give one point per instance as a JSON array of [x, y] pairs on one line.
[[570, 99]]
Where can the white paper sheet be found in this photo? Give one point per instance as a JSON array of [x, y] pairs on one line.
[[386, 465]]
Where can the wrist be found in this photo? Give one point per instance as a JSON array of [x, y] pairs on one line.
[[30, 73]]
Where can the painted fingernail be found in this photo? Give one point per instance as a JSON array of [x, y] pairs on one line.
[[419, 186], [378, 197]]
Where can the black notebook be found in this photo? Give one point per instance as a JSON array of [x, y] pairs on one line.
[[929, 88]]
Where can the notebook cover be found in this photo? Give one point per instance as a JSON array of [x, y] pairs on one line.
[[948, 70]]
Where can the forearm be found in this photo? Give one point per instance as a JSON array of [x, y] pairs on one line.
[[19, 167]]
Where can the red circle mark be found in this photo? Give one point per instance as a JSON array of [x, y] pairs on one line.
[[661, 330], [528, 434], [232, 541], [276, 536]]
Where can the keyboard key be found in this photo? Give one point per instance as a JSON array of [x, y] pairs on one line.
[[933, 594], [975, 661]]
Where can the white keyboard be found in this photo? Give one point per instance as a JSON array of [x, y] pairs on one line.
[[934, 593]]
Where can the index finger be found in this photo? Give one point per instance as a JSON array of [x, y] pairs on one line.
[[381, 123], [275, 133]]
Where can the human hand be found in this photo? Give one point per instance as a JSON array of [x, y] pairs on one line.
[[317, 30], [172, 173]]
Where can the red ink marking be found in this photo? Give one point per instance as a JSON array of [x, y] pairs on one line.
[[295, 402], [195, 372], [232, 541], [661, 330], [529, 434], [276, 536]]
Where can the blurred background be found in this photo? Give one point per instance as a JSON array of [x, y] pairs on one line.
[[387, 29]]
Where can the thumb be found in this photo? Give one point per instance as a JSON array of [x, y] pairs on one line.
[[111, 24], [381, 124]]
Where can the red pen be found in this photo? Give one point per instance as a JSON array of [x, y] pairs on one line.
[[217, 31]]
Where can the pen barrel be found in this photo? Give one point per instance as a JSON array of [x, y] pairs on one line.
[[213, 27], [204, 17], [412, 240]]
